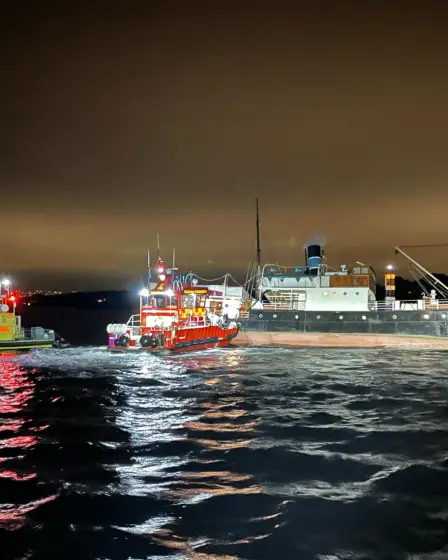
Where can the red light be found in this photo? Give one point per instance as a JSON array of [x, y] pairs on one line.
[[12, 298]]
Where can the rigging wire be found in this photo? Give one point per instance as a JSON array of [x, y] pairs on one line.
[[209, 279], [421, 278], [228, 275], [417, 279]]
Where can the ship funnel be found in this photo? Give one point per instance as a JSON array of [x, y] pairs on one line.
[[313, 256]]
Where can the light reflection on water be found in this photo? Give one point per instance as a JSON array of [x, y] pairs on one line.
[[223, 454]]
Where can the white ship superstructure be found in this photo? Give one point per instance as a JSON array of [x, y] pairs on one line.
[[318, 287]]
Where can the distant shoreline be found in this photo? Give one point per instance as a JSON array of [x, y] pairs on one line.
[[104, 299], [121, 299]]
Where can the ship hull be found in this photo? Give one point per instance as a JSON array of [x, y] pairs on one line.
[[166, 351], [372, 328], [6, 345]]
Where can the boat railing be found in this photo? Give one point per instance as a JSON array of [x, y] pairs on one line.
[[134, 324], [384, 305], [436, 304], [286, 302], [409, 305], [201, 321], [289, 302], [269, 269]]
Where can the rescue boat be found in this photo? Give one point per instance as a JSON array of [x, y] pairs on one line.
[[13, 336], [179, 315]]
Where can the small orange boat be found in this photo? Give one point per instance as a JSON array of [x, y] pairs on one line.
[[178, 315]]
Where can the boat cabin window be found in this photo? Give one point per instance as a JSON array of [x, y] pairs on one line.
[[188, 301], [147, 301], [200, 300], [172, 301], [158, 301]]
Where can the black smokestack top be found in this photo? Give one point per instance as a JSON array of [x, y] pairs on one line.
[[314, 251]]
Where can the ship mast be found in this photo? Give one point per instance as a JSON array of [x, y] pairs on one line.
[[258, 236], [258, 277]]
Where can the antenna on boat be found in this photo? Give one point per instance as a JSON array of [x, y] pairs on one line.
[[149, 269], [158, 245], [174, 258]]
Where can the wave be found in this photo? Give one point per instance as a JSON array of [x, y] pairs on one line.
[[253, 453]]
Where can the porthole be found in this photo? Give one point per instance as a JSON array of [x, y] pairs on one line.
[[341, 317], [296, 317], [443, 316], [425, 316], [356, 293], [318, 317], [325, 294], [345, 293], [394, 317], [275, 315], [363, 317], [260, 316]]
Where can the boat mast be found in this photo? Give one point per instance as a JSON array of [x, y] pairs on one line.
[[258, 235], [258, 281], [173, 270]]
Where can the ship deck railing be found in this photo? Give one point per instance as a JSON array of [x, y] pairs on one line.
[[409, 305], [286, 303], [437, 304]]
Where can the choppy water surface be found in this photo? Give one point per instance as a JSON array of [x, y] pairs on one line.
[[235, 454]]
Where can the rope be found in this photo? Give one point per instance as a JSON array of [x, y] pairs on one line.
[[228, 275], [209, 279]]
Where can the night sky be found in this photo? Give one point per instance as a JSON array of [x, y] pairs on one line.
[[123, 119]]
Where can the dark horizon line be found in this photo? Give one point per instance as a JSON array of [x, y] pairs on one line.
[[130, 290]]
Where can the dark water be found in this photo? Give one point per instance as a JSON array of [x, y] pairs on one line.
[[231, 454]]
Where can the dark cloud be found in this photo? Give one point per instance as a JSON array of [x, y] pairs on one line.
[[121, 119]]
